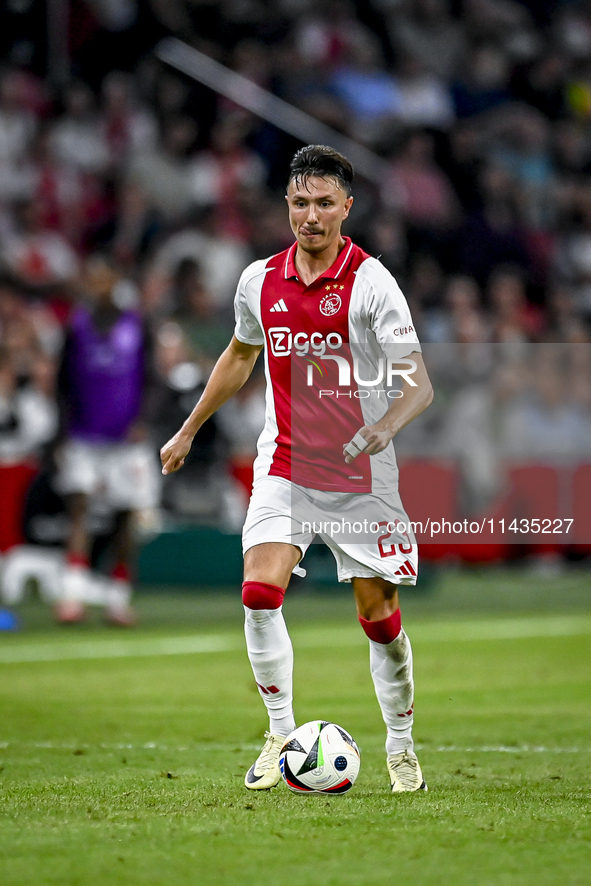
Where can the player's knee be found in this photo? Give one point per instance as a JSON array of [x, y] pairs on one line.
[[259, 595]]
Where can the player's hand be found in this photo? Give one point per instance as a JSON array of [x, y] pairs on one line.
[[174, 453], [368, 439]]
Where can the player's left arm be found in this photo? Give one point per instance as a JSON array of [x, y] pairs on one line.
[[372, 439]]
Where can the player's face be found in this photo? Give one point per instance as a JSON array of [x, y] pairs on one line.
[[317, 209]]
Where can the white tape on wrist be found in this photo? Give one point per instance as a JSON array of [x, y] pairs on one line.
[[356, 445]]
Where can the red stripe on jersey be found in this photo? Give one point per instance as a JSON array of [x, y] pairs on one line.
[[313, 426], [403, 570], [410, 567]]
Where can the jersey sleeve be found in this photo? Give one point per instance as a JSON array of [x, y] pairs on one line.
[[247, 329], [387, 312]]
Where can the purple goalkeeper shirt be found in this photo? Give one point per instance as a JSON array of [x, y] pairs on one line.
[[105, 374]]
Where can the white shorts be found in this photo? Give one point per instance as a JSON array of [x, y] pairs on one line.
[[369, 535], [124, 476]]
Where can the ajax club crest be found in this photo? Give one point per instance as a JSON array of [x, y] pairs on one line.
[[330, 304]]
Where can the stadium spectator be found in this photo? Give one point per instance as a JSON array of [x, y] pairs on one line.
[[548, 425], [573, 253], [474, 434], [77, 138], [223, 176], [541, 83], [127, 127], [21, 342], [28, 416], [387, 237], [367, 90], [520, 144], [220, 258], [425, 30], [514, 318], [326, 34], [205, 492], [492, 234], [427, 199], [241, 420], [462, 159], [268, 229], [68, 200], [564, 320], [424, 99], [484, 82], [162, 172], [17, 124], [460, 318], [37, 256], [28, 422], [425, 285], [194, 309]]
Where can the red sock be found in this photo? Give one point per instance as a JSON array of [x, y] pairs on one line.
[[258, 595], [383, 631], [74, 559], [121, 571]]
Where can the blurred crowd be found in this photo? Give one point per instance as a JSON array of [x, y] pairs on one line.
[[481, 110]]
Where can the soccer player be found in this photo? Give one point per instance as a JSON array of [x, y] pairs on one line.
[[107, 392], [336, 333]]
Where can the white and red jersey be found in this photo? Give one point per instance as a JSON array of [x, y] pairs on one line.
[[327, 350]]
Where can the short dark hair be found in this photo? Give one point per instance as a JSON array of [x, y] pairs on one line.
[[321, 161]]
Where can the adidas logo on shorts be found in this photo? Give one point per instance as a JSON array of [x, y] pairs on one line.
[[405, 569]]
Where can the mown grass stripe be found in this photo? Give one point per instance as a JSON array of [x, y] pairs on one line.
[[57, 649], [505, 629], [134, 647], [247, 746]]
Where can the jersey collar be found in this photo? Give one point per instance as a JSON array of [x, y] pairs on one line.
[[331, 273]]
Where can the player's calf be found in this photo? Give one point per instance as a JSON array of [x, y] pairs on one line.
[[391, 671], [270, 652]]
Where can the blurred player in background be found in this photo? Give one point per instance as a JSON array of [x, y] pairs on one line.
[[106, 391], [325, 456]]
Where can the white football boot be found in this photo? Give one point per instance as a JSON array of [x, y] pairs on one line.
[[405, 773], [265, 772]]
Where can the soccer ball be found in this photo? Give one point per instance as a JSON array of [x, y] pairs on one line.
[[319, 757]]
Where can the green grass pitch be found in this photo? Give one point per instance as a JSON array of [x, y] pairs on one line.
[[122, 755]]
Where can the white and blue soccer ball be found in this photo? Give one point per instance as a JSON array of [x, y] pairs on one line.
[[319, 757]]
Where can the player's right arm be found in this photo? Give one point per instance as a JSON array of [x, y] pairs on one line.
[[229, 374]]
